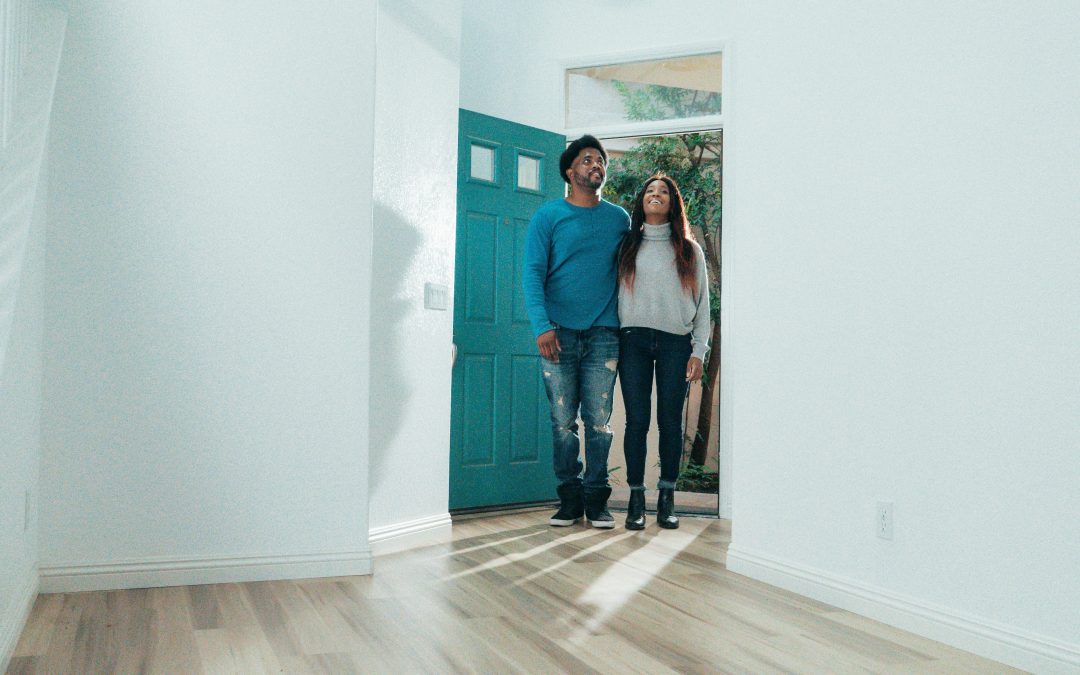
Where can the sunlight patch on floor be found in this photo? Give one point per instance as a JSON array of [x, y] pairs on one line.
[[511, 558], [480, 547], [630, 574], [608, 541]]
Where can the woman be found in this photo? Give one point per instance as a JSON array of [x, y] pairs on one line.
[[664, 319]]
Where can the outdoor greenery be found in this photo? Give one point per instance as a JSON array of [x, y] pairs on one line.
[[612, 478], [656, 102], [697, 478], [694, 161]]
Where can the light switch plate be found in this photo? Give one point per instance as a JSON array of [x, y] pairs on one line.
[[435, 296]]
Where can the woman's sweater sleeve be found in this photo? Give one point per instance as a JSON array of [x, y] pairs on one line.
[[699, 337]]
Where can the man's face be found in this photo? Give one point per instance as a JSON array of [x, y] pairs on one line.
[[588, 170]]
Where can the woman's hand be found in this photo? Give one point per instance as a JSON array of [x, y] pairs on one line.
[[693, 369]]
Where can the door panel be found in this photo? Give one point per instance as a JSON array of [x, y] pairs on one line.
[[480, 242], [521, 229], [478, 395], [500, 445], [524, 440]]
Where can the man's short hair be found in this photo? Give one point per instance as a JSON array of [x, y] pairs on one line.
[[572, 150]]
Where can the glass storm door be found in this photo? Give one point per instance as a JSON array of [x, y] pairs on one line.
[[500, 439]]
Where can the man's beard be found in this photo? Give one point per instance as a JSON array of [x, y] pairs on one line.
[[588, 182]]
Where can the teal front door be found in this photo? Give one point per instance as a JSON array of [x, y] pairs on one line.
[[500, 435]]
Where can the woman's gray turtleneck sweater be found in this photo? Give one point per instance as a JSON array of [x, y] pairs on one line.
[[658, 299]]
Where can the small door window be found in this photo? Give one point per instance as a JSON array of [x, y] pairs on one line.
[[482, 163], [528, 172]]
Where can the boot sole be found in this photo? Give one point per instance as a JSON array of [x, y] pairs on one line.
[[668, 526], [559, 522], [635, 526], [602, 524]]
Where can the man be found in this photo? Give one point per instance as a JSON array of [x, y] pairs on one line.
[[571, 295]]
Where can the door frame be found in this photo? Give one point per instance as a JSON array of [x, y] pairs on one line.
[[724, 122]]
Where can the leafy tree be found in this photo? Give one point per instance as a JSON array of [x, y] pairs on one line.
[[656, 102], [695, 162]]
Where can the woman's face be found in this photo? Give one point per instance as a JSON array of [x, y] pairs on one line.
[[657, 200]]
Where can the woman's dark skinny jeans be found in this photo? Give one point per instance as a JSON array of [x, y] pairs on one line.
[[643, 351]]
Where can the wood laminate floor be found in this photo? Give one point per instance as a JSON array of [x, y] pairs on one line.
[[509, 594]]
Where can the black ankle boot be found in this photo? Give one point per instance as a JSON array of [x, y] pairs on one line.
[[635, 510], [665, 510], [596, 507], [571, 505]]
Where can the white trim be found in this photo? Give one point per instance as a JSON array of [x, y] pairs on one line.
[[651, 128], [410, 534], [724, 510], [633, 55], [11, 627], [1014, 646], [729, 231], [154, 572]]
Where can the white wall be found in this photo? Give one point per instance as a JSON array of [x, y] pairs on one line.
[[22, 256], [908, 313], [20, 446], [901, 296], [208, 294], [511, 60], [14, 50], [415, 218], [512, 67]]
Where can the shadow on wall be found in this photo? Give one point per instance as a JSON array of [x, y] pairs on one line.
[[426, 24], [395, 244]]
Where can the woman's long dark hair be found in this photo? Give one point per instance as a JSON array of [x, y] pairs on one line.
[[681, 236]]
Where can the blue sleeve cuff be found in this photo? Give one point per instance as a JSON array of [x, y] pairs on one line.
[[540, 329]]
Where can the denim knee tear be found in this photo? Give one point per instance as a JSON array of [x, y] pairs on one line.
[[560, 401], [547, 373], [604, 395], [612, 364], [602, 429]]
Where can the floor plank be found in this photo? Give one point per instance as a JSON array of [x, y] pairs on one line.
[[508, 594]]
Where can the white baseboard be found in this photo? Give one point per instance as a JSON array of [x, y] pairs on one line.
[[410, 534], [13, 621], [1007, 644], [68, 578]]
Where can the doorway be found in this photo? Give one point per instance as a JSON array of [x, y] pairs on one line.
[[663, 113], [695, 161]]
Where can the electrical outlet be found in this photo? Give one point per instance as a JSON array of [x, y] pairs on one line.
[[884, 520]]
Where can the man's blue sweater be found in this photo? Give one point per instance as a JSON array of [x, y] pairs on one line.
[[570, 276]]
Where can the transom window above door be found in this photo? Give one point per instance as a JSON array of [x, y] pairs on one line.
[[668, 89]]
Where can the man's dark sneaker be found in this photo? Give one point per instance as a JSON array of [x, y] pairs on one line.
[[596, 507], [571, 505]]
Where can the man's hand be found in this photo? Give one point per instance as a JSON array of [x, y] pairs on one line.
[[693, 369], [549, 346]]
